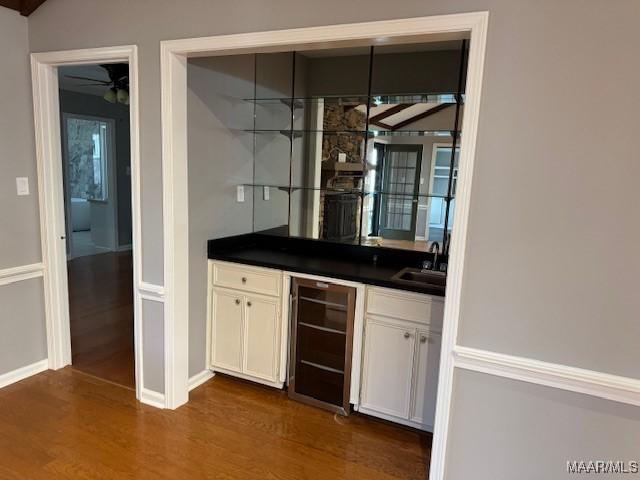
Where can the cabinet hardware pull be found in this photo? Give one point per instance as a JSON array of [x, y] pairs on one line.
[[248, 304], [244, 279], [423, 338], [322, 285], [407, 334], [237, 301]]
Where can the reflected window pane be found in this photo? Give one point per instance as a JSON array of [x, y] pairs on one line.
[[87, 149]]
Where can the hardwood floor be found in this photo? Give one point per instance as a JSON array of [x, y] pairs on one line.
[[101, 316], [68, 425]]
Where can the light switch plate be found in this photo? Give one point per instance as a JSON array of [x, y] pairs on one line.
[[265, 192], [240, 193], [22, 185]]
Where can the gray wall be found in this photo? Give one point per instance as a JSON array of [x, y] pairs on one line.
[[556, 153], [153, 346], [22, 325], [23, 336], [220, 158], [506, 430], [84, 104], [20, 232]]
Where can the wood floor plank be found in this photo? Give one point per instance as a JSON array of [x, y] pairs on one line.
[[101, 315], [69, 425]]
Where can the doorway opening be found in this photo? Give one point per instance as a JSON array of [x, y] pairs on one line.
[[174, 67], [96, 172], [396, 172]]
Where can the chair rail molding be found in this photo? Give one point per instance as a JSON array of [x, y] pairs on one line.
[[573, 379], [23, 272], [151, 291]]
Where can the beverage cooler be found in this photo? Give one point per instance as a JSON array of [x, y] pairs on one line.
[[321, 344]]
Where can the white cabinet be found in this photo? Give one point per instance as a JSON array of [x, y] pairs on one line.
[[396, 362], [426, 378], [260, 336], [401, 356], [227, 329], [388, 366], [245, 324]]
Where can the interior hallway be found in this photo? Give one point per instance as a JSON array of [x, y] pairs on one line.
[[101, 316], [66, 424]]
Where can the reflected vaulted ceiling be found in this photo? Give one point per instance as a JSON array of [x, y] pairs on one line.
[[25, 7]]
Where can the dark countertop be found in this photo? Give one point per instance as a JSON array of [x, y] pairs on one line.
[[346, 262]]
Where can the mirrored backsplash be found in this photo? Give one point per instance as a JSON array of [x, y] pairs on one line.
[[357, 145]]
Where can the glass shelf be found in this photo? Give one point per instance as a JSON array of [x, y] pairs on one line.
[[394, 98], [300, 102], [362, 99], [287, 188], [371, 133], [412, 133], [303, 131]]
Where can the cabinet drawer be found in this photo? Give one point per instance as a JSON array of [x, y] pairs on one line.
[[414, 307], [248, 279]]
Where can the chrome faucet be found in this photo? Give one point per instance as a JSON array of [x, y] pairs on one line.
[[427, 265]]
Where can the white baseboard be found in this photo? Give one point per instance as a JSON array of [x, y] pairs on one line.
[[200, 378], [154, 399], [23, 372], [579, 380]]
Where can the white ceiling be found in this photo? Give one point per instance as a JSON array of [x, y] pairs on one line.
[[89, 71]]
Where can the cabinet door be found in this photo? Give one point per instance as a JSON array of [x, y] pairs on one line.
[[227, 329], [426, 378], [261, 337], [388, 364]]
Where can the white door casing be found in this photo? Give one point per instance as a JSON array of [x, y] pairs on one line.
[[51, 202]]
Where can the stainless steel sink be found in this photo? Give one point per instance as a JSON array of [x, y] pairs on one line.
[[415, 276]]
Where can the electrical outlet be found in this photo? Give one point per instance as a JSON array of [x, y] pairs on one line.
[[22, 185], [265, 192], [240, 193]]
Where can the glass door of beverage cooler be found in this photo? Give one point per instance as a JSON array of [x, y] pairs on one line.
[[321, 344]]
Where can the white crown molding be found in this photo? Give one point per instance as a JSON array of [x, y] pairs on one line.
[[573, 379], [151, 398], [200, 378], [23, 372], [23, 272]]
